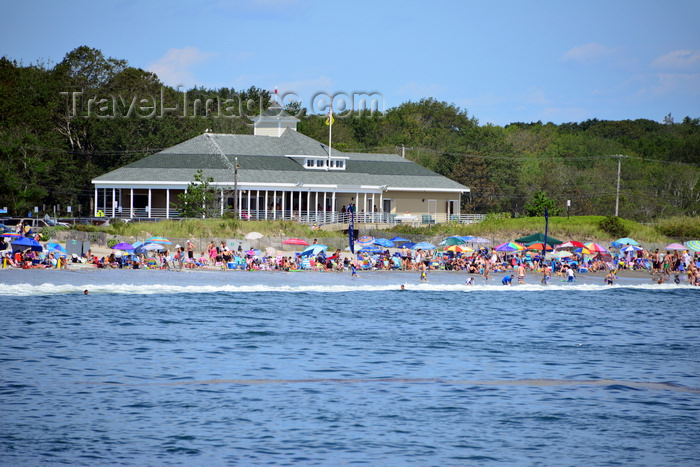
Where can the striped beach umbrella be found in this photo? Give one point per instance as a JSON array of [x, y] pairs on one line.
[[594, 247], [459, 249], [693, 245], [161, 240]]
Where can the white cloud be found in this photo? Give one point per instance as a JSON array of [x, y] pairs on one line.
[[678, 60], [175, 67], [590, 53], [677, 83]]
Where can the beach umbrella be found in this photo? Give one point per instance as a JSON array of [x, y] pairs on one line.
[[454, 240], [371, 249], [562, 254], [538, 237], [423, 246], [407, 245], [583, 251], [399, 239], [675, 246], [572, 244], [594, 247], [313, 250], [386, 243], [476, 239], [459, 249], [693, 245], [509, 246], [630, 248], [123, 246], [620, 242], [56, 248], [538, 246], [161, 240], [365, 240], [253, 236], [253, 252], [295, 241], [24, 243], [149, 247], [12, 235]]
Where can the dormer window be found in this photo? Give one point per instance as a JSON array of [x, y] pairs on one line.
[[321, 163]]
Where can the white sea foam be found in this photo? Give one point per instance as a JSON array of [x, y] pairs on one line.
[[47, 288]]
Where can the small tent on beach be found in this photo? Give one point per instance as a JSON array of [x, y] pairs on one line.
[[538, 238]]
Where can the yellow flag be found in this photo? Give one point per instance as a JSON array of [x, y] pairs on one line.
[[329, 118]]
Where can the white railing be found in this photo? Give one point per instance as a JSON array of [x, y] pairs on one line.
[[320, 217]]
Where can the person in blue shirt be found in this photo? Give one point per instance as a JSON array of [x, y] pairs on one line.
[[507, 280]]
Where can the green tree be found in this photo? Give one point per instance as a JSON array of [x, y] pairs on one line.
[[199, 200], [539, 202]]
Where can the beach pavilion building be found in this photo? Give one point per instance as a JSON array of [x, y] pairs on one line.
[[278, 173]]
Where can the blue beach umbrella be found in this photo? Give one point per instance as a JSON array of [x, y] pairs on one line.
[[399, 239], [55, 247], [620, 242], [25, 243], [371, 249], [384, 242], [424, 246], [314, 250], [407, 245]]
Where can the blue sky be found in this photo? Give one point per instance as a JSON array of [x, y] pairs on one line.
[[502, 61]]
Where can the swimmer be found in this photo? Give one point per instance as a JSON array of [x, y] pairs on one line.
[[354, 271], [610, 278], [403, 287], [85, 292], [507, 280], [470, 281]]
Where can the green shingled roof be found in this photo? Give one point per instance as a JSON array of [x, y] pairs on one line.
[[263, 159]]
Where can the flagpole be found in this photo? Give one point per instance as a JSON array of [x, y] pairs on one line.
[[330, 134]]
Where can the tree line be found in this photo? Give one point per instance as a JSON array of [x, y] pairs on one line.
[[63, 124]]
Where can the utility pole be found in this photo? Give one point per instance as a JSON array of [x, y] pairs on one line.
[[403, 150], [235, 187], [617, 190]]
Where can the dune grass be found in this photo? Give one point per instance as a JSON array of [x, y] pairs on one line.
[[582, 228]]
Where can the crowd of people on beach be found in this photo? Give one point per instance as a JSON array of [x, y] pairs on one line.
[[481, 262]]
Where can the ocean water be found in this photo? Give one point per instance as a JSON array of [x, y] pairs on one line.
[[306, 368]]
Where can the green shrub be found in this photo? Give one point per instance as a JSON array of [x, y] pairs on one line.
[[614, 227], [111, 242]]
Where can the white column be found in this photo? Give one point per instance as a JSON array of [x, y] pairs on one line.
[[167, 203], [114, 201], [150, 201], [96, 201], [265, 211], [284, 198], [240, 204], [308, 203], [221, 202], [333, 207], [316, 203], [325, 199], [249, 203]]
